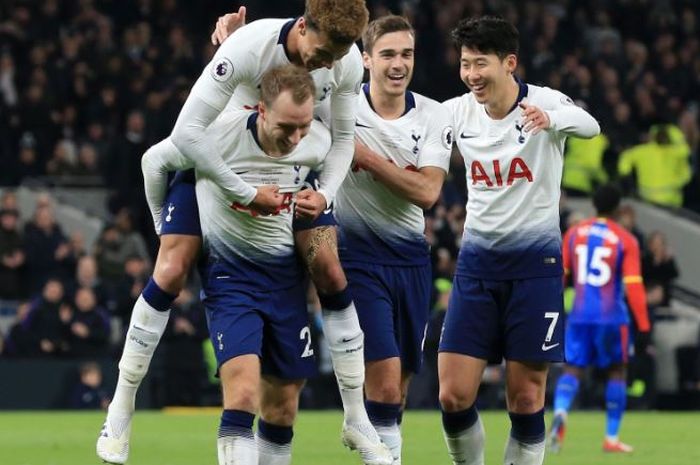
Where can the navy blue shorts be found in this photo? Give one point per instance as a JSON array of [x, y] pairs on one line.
[[515, 319], [601, 345], [181, 215], [180, 212], [393, 305], [273, 325]]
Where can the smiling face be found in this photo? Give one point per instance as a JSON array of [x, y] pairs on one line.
[[487, 75], [391, 62], [284, 123]]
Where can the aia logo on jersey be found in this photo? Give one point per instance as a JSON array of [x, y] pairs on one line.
[[415, 138], [518, 169], [519, 128]]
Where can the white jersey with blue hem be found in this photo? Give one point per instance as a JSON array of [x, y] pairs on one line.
[[513, 182], [377, 225], [256, 252]]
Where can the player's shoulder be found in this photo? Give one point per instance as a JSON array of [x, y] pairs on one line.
[[255, 38], [460, 107], [546, 96], [626, 238], [430, 107], [319, 136]]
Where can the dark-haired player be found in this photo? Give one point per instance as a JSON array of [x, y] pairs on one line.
[[506, 300]]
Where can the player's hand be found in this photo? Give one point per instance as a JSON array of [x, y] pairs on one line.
[[227, 25], [534, 118], [268, 200], [309, 204]]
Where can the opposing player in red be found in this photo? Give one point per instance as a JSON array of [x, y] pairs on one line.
[[601, 261]]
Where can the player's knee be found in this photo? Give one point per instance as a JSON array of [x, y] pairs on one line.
[[244, 397], [171, 272], [328, 276], [525, 401], [454, 400], [386, 392], [282, 412]]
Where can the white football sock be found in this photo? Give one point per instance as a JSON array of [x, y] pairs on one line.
[[520, 453], [391, 436], [272, 453], [146, 327], [467, 447], [346, 342], [237, 450]]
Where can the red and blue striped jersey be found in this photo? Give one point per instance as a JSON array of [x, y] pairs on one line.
[[603, 260]]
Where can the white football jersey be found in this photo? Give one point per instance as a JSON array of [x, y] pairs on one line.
[[243, 58], [255, 249], [376, 225], [513, 182]]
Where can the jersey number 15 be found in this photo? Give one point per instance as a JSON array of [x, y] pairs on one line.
[[596, 273]]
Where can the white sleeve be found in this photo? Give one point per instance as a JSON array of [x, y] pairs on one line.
[[343, 111], [569, 119], [438, 147], [158, 160], [232, 64], [189, 136]]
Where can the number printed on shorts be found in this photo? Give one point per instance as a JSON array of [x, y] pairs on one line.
[[596, 273], [305, 335]]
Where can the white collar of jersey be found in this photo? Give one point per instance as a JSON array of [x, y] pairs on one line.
[[410, 99], [284, 35], [252, 126], [522, 92]]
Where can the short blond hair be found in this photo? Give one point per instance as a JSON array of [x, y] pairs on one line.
[[343, 21], [293, 78]]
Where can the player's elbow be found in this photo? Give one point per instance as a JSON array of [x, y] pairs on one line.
[[428, 197]]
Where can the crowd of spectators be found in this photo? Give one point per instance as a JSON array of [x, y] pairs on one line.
[[86, 86]]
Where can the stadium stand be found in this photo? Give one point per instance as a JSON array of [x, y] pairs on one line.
[[86, 87]]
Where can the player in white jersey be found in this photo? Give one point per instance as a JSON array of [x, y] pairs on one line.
[[506, 300], [252, 281], [401, 160], [322, 40]]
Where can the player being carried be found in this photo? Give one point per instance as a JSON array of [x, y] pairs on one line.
[[506, 299], [252, 281], [601, 259], [401, 160], [323, 42]]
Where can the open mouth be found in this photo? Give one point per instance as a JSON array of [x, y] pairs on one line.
[[396, 77], [478, 88]]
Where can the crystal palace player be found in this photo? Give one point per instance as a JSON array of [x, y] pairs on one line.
[[323, 41], [506, 300], [401, 160], [602, 260]]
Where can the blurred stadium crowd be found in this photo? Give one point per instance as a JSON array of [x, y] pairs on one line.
[[87, 86]]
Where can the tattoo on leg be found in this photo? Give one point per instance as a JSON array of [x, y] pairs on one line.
[[323, 236]]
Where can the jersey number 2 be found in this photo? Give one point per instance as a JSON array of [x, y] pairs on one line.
[[305, 334], [596, 273]]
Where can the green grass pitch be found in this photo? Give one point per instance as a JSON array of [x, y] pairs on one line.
[[188, 438]]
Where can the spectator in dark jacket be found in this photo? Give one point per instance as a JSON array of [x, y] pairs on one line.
[[12, 254]]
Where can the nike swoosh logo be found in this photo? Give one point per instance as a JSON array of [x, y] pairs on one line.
[[241, 172], [545, 347], [467, 136], [360, 125]]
